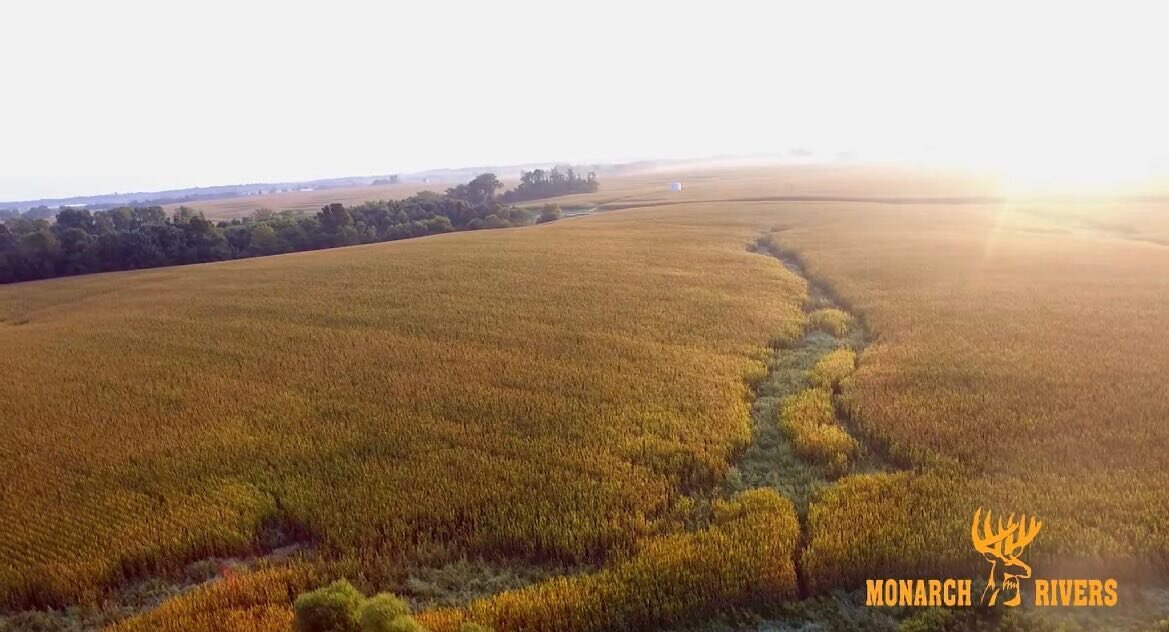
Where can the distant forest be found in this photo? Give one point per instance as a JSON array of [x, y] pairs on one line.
[[129, 238]]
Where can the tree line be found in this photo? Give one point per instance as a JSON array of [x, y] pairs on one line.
[[538, 184], [129, 238], [36, 212]]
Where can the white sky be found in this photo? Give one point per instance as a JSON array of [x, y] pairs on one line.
[[117, 96]]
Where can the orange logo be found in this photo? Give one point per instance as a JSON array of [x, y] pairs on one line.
[[1002, 546]]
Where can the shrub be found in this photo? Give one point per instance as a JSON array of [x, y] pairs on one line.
[[831, 369], [332, 608], [378, 613], [550, 213], [339, 607], [830, 321]]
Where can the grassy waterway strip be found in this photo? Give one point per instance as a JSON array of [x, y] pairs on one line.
[[771, 460]]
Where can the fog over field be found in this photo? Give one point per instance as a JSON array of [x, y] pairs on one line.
[[139, 96]]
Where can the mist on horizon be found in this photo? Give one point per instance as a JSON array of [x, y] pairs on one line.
[[135, 96]]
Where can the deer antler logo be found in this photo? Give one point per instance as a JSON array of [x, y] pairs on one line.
[[1002, 548]]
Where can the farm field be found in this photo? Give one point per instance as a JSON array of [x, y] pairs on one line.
[[387, 406], [1016, 365], [641, 188], [303, 201], [630, 420]]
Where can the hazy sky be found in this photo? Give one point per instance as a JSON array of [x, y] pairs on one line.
[[118, 96]]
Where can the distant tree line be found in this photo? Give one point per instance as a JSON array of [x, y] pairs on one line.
[[42, 210], [36, 212], [538, 184], [82, 241]]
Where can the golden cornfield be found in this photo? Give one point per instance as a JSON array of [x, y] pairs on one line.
[[574, 395], [1018, 362], [744, 557], [545, 395]]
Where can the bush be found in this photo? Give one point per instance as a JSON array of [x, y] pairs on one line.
[[339, 607], [332, 608], [831, 321], [550, 213], [378, 613], [473, 627]]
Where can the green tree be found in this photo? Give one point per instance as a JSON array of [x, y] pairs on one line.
[[386, 613], [481, 190], [40, 249], [77, 255], [334, 217], [80, 219], [122, 217], [185, 214], [144, 215], [103, 223], [332, 608], [264, 241]]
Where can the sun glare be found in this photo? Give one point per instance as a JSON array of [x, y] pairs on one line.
[[1090, 173]]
